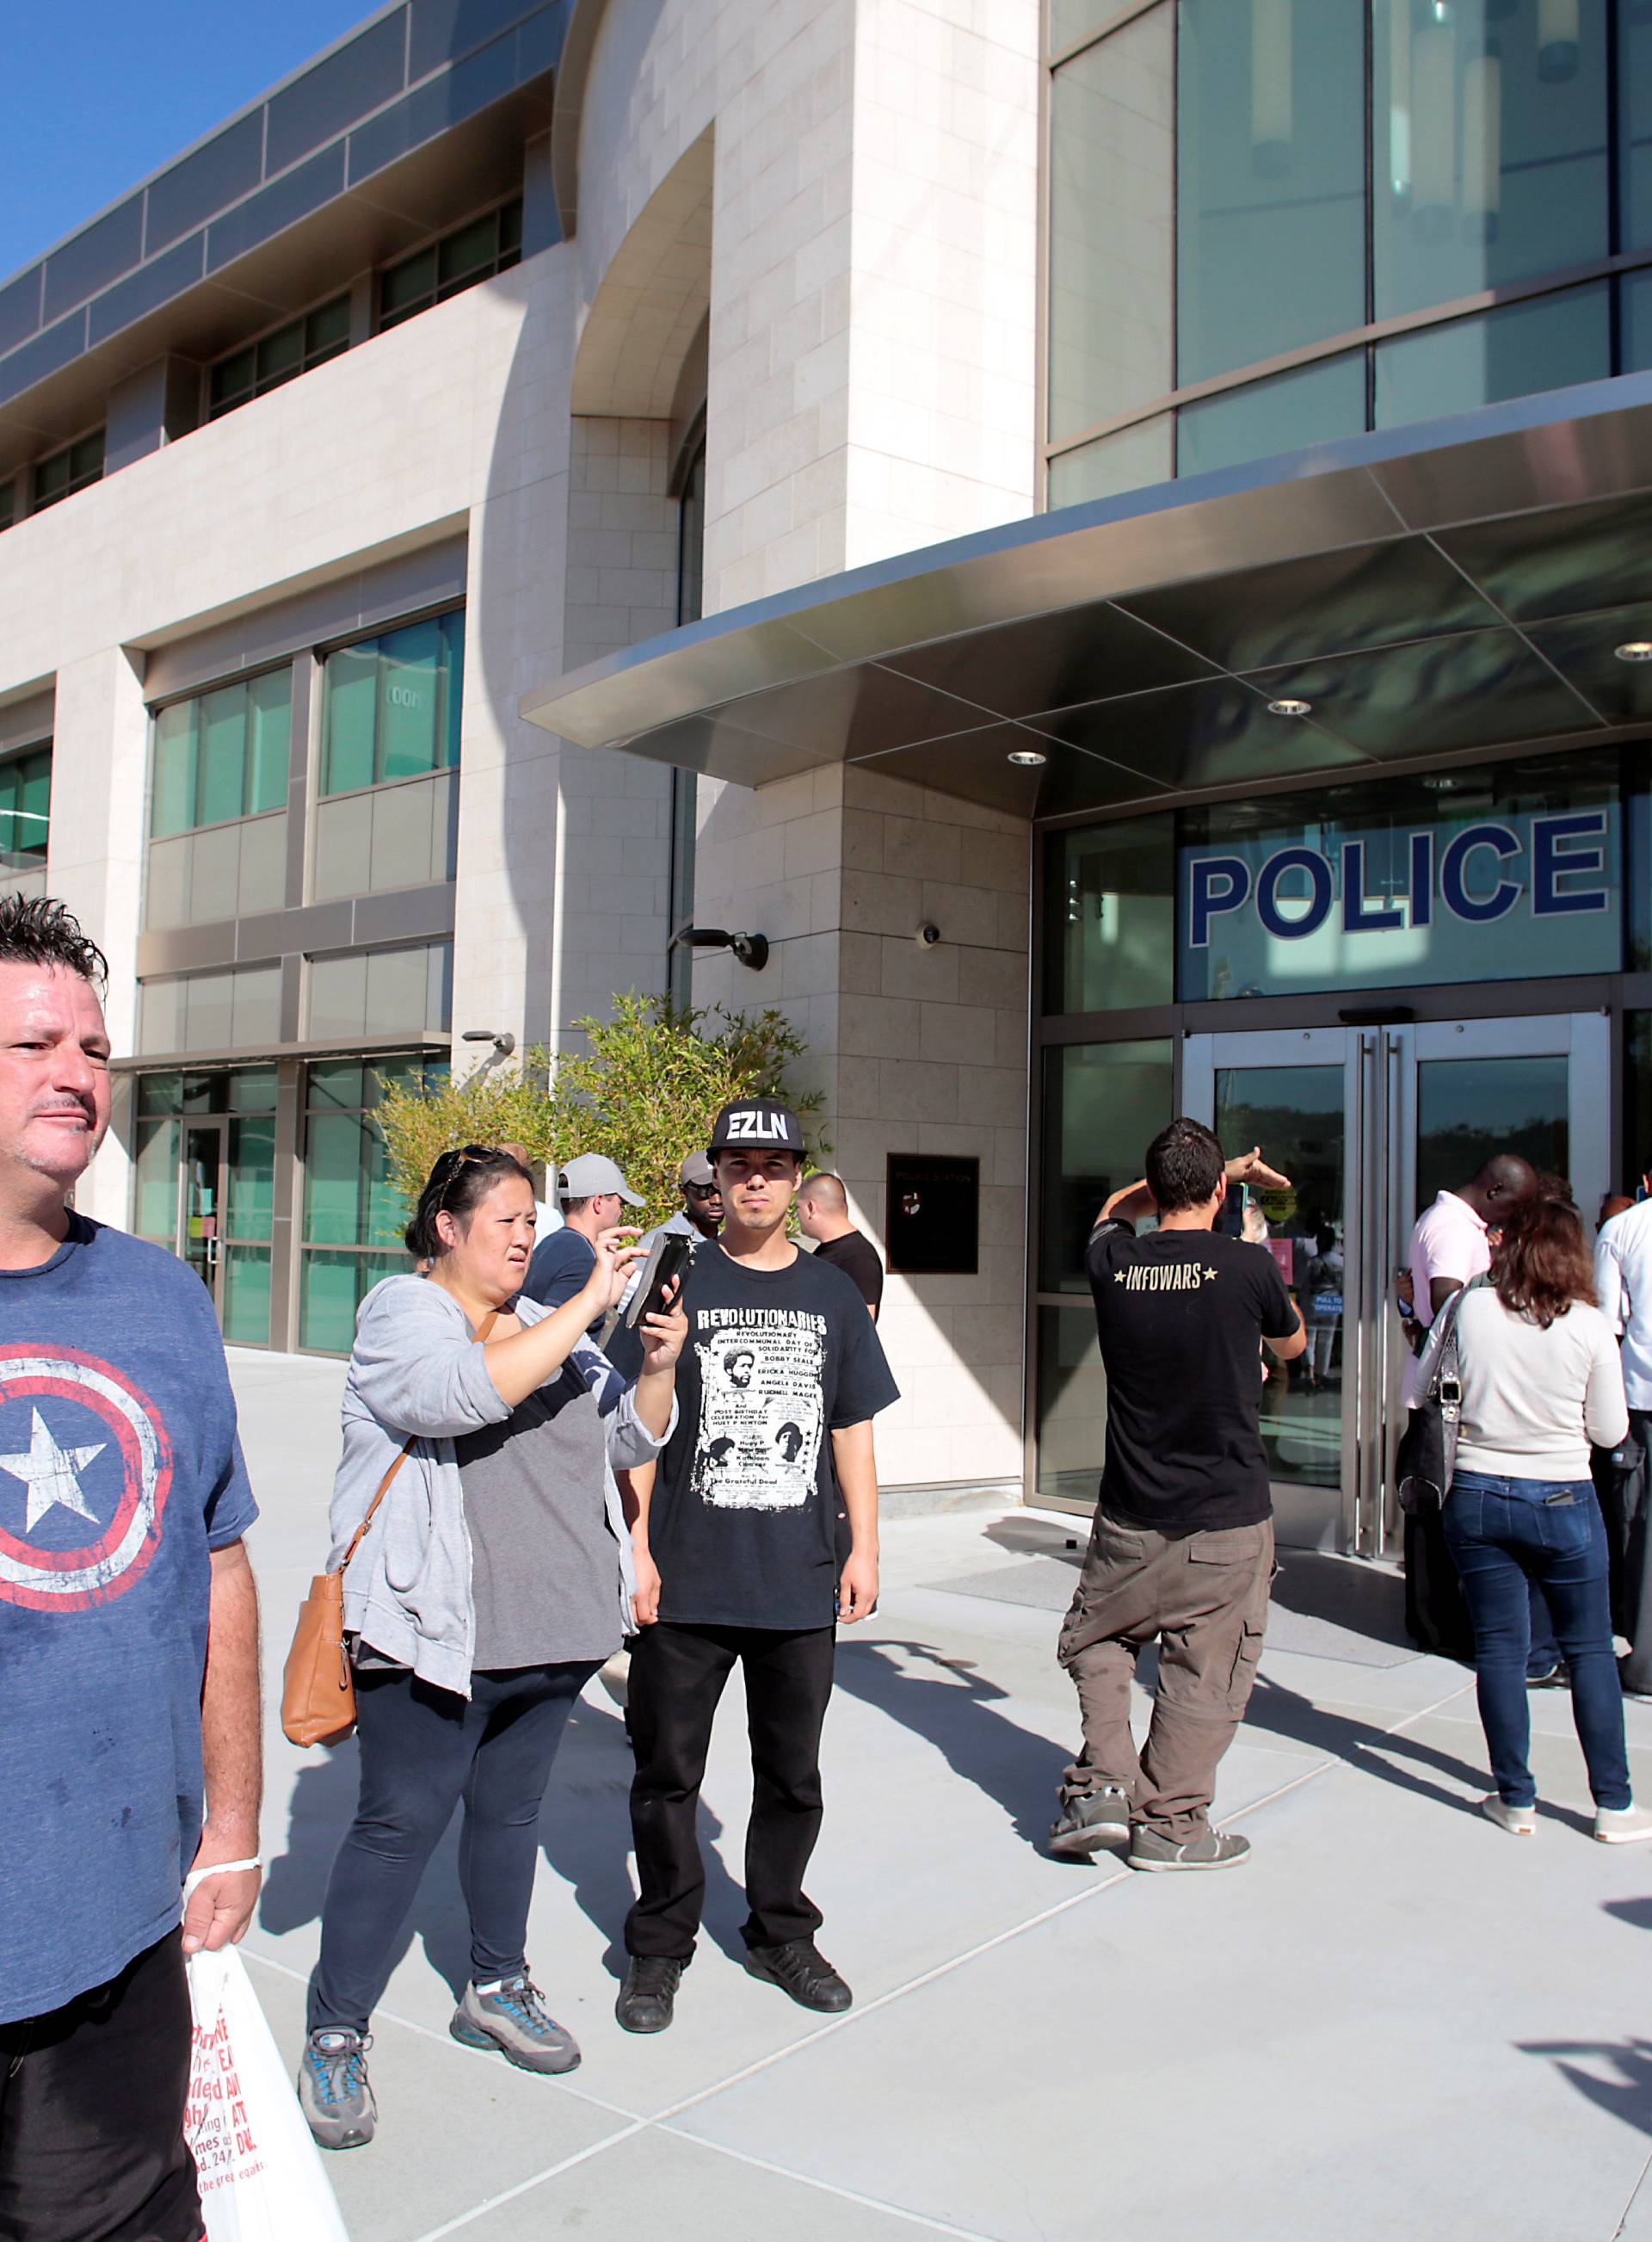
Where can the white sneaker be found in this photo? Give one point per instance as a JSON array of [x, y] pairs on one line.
[[1622, 1825], [1519, 1821]]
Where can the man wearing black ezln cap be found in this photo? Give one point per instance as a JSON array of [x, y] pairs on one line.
[[776, 1392], [1182, 1548]]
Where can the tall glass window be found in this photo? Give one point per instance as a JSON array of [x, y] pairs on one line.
[[26, 819], [1338, 164], [1491, 144], [222, 755], [1112, 160], [203, 1185], [1104, 1104], [218, 803], [353, 1218], [1270, 178], [1109, 916], [388, 815], [391, 705]]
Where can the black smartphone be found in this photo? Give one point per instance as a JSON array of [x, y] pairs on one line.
[[668, 1257]]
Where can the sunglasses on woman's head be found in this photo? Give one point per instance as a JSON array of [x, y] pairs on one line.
[[456, 1162]]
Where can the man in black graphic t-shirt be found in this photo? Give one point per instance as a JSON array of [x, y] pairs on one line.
[[776, 1392], [1183, 1543]]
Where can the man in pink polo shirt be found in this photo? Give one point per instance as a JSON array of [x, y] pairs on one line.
[[1450, 1248]]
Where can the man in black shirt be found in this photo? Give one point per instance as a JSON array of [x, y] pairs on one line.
[[823, 1216], [776, 1392], [1182, 1548]]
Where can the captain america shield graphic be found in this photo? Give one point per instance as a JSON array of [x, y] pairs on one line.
[[85, 1469]]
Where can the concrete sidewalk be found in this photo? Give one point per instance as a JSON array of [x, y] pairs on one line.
[[1395, 2022]]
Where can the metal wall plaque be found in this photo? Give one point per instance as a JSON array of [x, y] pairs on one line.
[[933, 1225]]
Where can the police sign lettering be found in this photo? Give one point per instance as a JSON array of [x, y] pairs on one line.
[[1323, 905]]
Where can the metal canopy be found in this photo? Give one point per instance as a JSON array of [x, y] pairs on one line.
[[1449, 589]]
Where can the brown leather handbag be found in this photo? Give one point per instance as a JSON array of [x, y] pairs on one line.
[[317, 1688]]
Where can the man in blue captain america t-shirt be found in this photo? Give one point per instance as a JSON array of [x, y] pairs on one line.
[[128, 1643]]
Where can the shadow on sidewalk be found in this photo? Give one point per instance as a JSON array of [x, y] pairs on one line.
[[584, 1834], [584, 1831], [1628, 2096], [1403, 1760], [953, 1711]]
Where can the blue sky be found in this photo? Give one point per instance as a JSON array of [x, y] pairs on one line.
[[102, 93]]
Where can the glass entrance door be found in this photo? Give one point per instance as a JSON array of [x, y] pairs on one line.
[[200, 1244], [1370, 1124]]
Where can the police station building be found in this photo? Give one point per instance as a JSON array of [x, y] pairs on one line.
[[1113, 537]]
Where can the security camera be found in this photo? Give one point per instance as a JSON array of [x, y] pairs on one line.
[[928, 935]]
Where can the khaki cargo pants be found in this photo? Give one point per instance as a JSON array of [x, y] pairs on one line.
[[1204, 1595]]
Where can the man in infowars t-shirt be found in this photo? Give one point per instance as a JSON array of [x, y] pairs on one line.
[[1182, 1548], [776, 1392]]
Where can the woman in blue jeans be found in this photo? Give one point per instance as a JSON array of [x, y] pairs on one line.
[[1540, 1380]]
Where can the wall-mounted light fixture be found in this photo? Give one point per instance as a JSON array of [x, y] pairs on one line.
[[504, 1045], [752, 950]]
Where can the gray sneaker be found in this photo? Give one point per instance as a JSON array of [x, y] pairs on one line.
[[333, 2091], [513, 2017], [1087, 1825], [1215, 1849]]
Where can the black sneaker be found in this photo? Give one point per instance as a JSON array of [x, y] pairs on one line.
[[649, 1992], [797, 1967], [1091, 1824]]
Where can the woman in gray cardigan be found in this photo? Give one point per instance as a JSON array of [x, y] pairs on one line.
[[489, 1589]]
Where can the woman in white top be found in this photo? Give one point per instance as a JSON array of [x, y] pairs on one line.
[[1540, 1380]]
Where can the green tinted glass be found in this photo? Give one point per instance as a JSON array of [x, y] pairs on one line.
[[160, 1093], [1109, 916], [1104, 1104], [410, 663], [336, 1086], [351, 699], [387, 1210], [327, 1303], [172, 797], [223, 755], [34, 803], [333, 1180], [249, 1192], [250, 1090], [269, 737], [246, 1296], [447, 736], [155, 1174]]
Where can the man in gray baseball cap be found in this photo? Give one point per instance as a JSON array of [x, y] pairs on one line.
[[593, 1194]]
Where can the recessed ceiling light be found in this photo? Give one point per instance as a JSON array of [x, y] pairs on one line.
[[1027, 758], [1289, 708], [1634, 649]]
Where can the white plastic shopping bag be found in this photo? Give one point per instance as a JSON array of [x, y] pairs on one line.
[[260, 2173]]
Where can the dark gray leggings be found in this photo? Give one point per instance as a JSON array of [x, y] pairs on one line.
[[422, 1751]]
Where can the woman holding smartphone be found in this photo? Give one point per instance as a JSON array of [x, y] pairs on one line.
[[487, 1591]]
